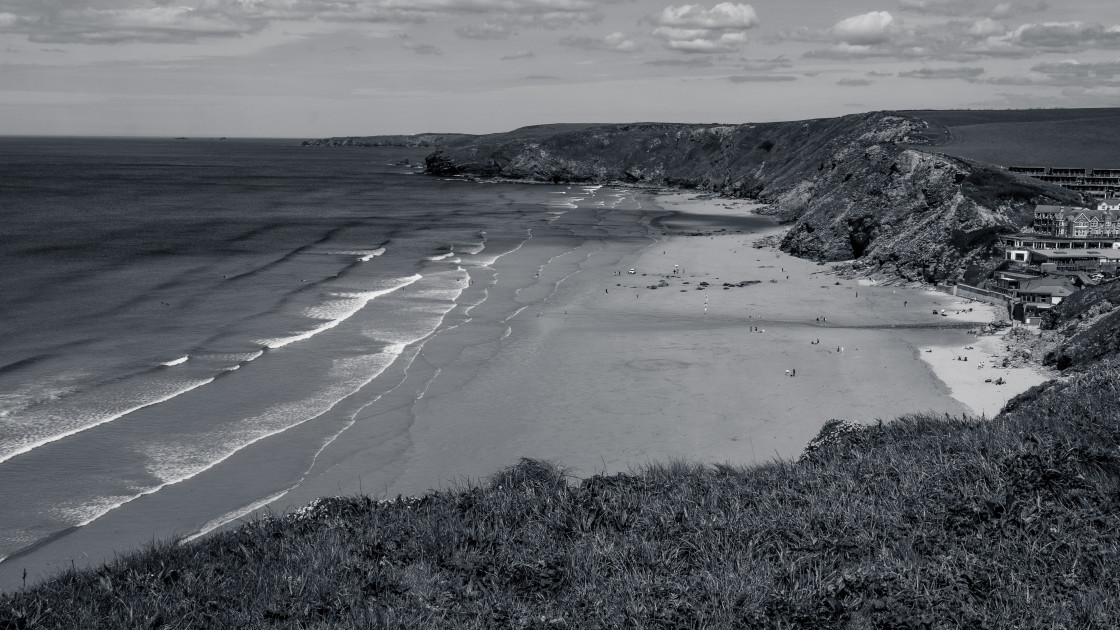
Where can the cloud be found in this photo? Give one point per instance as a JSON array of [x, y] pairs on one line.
[[986, 27], [1066, 36], [761, 78], [159, 21], [876, 33], [868, 29], [615, 42], [1005, 10], [1067, 74], [854, 82], [486, 30], [938, 7], [1074, 68], [422, 49], [521, 54], [156, 23], [943, 73], [693, 29], [690, 62], [880, 34], [763, 65]]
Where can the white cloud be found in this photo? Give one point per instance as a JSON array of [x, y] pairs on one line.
[[723, 16], [868, 29], [694, 29], [521, 54], [986, 28]]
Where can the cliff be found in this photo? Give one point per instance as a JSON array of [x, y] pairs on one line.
[[861, 187]]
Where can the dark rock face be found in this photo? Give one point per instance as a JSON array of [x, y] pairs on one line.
[[849, 186], [905, 213]]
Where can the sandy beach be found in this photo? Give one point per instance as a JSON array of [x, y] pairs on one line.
[[713, 350], [602, 373]]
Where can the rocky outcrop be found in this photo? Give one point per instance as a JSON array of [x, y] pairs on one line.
[[903, 213], [859, 188]]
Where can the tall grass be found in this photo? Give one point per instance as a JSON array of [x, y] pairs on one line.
[[923, 522]]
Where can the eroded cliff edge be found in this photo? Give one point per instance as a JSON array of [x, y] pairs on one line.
[[860, 187]]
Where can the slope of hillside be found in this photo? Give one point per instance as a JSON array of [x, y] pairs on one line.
[[851, 186], [1082, 330]]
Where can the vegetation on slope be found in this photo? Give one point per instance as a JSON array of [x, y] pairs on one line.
[[923, 522]]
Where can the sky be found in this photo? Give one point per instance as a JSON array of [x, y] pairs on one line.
[[318, 68]]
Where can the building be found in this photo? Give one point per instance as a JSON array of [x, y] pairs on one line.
[[1095, 182], [1037, 295], [1076, 259], [1075, 222]]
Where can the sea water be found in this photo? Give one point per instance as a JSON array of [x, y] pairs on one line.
[[168, 305]]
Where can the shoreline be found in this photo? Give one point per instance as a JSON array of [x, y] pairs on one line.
[[569, 358]]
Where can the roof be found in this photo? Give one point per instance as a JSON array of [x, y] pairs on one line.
[[1049, 286], [1077, 254], [1049, 209]]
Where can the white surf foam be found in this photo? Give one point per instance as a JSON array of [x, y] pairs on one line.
[[365, 257], [40, 429], [175, 361], [233, 515], [337, 312]]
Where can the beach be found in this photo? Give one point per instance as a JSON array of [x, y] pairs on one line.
[[712, 350], [604, 374]]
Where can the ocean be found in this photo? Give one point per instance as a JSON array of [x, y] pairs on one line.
[[200, 319]]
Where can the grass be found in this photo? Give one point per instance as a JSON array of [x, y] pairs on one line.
[[923, 522]]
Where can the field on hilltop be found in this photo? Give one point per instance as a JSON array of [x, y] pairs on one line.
[[1078, 138]]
